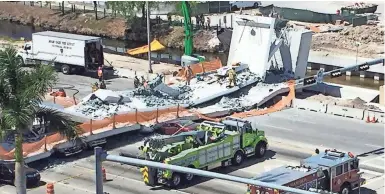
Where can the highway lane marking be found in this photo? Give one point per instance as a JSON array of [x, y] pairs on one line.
[[125, 178], [371, 172], [371, 181], [282, 128], [375, 146], [371, 159]]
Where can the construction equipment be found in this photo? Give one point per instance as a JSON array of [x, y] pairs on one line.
[[313, 174], [212, 145], [189, 58]]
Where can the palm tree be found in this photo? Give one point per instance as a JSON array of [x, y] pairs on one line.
[[21, 93]]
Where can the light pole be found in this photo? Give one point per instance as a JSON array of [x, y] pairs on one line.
[[357, 44], [148, 38]]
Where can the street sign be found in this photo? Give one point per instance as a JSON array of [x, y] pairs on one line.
[[363, 67], [336, 74]]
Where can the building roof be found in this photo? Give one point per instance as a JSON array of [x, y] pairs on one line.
[[284, 175], [327, 159], [66, 35]]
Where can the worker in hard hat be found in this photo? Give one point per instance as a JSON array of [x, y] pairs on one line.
[[232, 77], [136, 82], [95, 87], [188, 74], [102, 85]]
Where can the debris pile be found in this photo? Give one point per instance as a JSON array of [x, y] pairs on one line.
[[352, 103]]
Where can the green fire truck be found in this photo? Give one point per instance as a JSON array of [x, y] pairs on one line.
[[214, 144]]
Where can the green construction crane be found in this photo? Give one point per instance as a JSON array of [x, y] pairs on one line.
[[188, 40], [189, 58]]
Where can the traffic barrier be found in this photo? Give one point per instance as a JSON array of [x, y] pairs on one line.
[[376, 115], [346, 112], [144, 117], [50, 188], [309, 105]]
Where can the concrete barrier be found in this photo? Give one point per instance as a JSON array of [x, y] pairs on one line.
[[345, 112], [309, 105], [378, 115]]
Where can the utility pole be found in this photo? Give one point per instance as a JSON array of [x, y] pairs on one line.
[[148, 38]]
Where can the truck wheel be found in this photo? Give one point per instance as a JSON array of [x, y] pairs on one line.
[[238, 158], [176, 180], [345, 189], [260, 149], [189, 177], [234, 7], [21, 60], [66, 69]]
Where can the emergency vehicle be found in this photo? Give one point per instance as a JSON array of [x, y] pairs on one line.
[[314, 174]]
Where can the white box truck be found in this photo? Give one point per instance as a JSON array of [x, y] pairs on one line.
[[69, 53]]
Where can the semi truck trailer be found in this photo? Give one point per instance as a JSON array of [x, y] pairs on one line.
[[68, 53]]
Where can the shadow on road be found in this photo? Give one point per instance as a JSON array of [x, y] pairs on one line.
[[114, 142]]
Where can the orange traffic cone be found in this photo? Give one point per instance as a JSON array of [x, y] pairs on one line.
[[374, 120], [104, 174], [50, 189], [368, 119]]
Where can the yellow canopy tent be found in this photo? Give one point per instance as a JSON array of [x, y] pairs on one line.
[[155, 46]]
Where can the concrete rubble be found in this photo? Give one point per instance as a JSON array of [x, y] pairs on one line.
[[105, 103]]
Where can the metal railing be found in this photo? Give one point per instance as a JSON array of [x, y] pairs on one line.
[[101, 156]]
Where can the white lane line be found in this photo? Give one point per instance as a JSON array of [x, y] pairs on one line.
[[371, 181], [375, 146], [370, 159], [68, 185], [276, 127], [371, 172]]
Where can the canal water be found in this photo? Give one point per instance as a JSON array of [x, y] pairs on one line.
[[17, 31]]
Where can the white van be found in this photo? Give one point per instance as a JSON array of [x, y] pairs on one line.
[[244, 4]]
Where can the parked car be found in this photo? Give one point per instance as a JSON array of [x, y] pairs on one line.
[[177, 126], [7, 174], [244, 4]]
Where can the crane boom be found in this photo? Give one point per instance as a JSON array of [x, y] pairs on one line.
[[188, 40]]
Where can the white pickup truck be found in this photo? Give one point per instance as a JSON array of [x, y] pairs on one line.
[[69, 53]]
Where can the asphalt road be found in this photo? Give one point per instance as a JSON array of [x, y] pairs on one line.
[[322, 130], [76, 175]]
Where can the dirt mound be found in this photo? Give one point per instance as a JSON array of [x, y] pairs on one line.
[[203, 40], [370, 37], [82, 23]]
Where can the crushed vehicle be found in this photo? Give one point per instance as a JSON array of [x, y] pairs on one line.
[[213, 145], [327, 171]]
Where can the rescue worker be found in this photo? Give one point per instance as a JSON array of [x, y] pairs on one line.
[[100, 73], [144, 82], [136, 82], [102, 85], [208, 23], [95, 87], [188, 73], [232, 77]]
